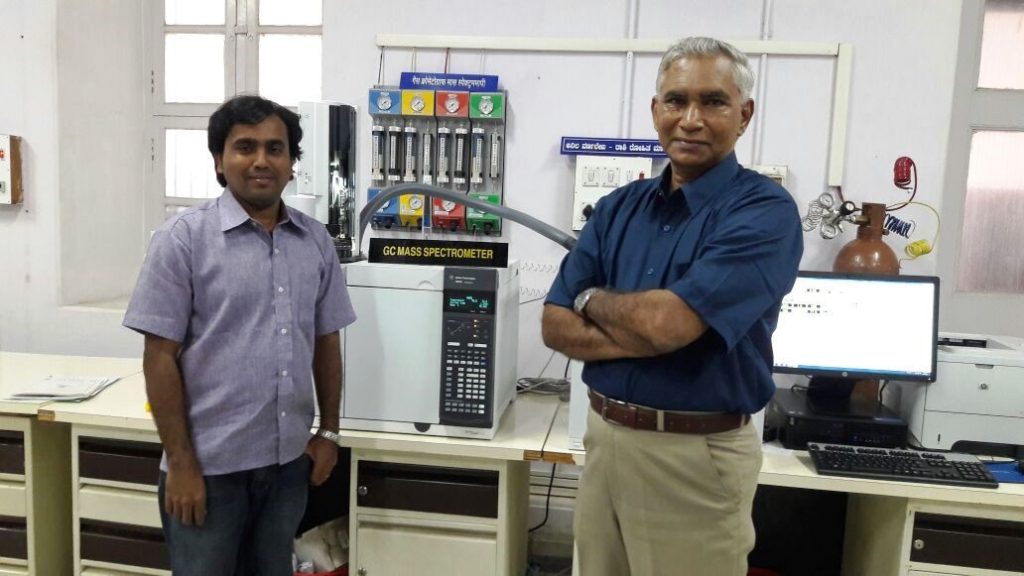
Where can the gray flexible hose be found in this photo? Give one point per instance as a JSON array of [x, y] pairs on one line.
[[546, 230]]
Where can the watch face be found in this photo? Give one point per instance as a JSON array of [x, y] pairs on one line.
[[452, 104], [384, 101]]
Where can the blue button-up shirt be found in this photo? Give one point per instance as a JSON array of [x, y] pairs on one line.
[[729, 245], [246, 306]]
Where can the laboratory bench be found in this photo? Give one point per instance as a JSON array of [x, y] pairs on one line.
[[444, 505], [35, 467], [892, 528]]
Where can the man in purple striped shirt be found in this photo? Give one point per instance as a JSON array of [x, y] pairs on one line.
[[241, 301]]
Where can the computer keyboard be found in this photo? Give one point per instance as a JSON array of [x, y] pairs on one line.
[[905, 465]]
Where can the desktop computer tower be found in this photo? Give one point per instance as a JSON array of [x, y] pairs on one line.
[[797, 420]]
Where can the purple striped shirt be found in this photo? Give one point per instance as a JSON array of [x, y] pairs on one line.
[[246, 306]]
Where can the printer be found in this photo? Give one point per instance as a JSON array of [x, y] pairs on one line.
[[977, 396]]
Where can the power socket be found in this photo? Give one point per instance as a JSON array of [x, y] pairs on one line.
[[596, 176]]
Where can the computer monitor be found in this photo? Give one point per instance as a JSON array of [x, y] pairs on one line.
[[841, 328]]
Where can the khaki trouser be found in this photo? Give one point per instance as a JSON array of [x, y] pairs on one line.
[[665, 504]]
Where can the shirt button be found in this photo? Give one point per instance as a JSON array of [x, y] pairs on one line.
[[277, 250], [284, 372], [280, 288], [284, 330], [282, 414], [650, 271], [666, 228]]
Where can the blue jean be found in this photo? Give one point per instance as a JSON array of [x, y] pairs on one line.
[[251, 517]]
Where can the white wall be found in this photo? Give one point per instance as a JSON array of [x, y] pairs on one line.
[[102, 151], [903, 66], [31, 316]]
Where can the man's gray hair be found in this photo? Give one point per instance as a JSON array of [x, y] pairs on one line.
[[696, 46]]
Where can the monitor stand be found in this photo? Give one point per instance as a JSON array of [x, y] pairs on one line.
[[832, 396]]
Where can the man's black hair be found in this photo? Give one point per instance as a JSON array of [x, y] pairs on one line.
[[250, 110]]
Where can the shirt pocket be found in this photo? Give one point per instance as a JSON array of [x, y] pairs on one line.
[[306, 277]]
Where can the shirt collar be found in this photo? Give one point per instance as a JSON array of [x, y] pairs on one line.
[[232, 215], [701, 191]]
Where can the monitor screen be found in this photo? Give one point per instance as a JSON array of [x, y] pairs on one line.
[[859, 326]]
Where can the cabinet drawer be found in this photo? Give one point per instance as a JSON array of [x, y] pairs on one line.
[[13, 538], [101, 569], [119, 460], [437, 489], [974, 389], [942, 429], [122, 544], [968, 542], [12, 569], [12, 498], [119, 506], [387, 550], [12, 452]]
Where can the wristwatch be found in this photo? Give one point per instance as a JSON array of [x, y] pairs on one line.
[[332, 436], [580, 304]]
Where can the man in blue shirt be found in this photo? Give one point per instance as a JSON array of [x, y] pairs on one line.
[[241, 301], [670, 297]]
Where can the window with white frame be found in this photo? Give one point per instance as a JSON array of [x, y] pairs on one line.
[[993, 204], [201, 53]]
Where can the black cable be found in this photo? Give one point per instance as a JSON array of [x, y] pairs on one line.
[[565, 374], [882, 389], [380, 68], [547, 500]]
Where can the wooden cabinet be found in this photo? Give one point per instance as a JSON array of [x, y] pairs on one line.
[[35, 519], [907, 537], [116, 522], [434, 515]]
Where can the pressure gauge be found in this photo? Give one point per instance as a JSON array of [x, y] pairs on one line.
[[384, 101], [486, 105], [447, 205], [452, 104], [417, 104], [415, 203]]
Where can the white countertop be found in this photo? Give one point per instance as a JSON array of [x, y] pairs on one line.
[[18, 369]]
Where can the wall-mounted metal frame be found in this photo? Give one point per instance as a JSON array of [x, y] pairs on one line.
[[843, 54]]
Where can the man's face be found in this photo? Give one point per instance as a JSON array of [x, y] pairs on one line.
[[256, 162], [699, 114]]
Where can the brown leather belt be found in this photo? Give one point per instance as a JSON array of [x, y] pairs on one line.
[[642, 418]]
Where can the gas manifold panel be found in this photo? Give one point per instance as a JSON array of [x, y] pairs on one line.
[[447, 138]]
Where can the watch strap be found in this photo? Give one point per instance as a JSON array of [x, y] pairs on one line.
[[327, 434]]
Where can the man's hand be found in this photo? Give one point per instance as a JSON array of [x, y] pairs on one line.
[[324, 455], [185, 493]]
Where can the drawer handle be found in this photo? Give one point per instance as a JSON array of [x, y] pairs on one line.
[[362, 490], [918, 544], [361, 572], [983, 386]]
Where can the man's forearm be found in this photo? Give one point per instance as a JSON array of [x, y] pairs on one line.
[[650, 323], [164, 389], [569, 333], [327, 377]]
